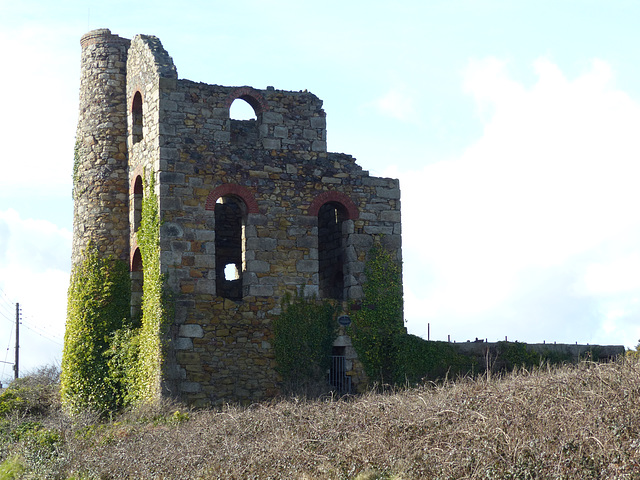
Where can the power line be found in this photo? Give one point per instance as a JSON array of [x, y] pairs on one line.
[[42, 335], [5, 298], [6, 306], [32, 322], [6, 317], [7, 353]]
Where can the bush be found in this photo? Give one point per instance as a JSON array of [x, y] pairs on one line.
[[33, 394]]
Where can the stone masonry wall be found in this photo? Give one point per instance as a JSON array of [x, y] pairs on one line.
[[101, 210], [220, 341], [275, 169]]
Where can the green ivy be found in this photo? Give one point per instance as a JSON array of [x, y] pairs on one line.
[[303, 337], [135, 356], [517, 355], [156, 305], [379, 322], [109, 360], [122, 358], [420, 359], [98, 305]]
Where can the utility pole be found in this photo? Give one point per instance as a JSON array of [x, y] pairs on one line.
[[15, 365]]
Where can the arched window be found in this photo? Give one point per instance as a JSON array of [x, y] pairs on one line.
[[331, 250], [137, 203], [137, 283], [136, 111], [244, 122], [230, 221]]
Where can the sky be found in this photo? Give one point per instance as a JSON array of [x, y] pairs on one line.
[[512, 126]]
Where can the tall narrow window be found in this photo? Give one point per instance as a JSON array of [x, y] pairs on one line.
[[331, 246], [136, 110], [137, 203], [137, 283], [230, 218]]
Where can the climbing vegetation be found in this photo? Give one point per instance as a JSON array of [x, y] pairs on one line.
[[135, 354], [98, 305], [156, 304], [111, 360], [378, 324], [303, 336]]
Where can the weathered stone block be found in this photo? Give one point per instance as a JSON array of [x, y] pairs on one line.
[[271, 143], [183, 343], [318, 122], [319, 146], [190, 387], [378, 230], [307, 266], [390, 216], [388, 192], [272, 117], [280, 131], [190, 330]]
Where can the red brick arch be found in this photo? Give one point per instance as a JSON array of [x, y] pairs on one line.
[[232, 189], [250, 95], [337, 197]]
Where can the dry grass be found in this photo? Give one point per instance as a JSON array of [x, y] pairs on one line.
[[576, 422]]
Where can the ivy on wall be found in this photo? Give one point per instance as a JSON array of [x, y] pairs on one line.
[[303, 337], [156, 306], [379, 322], [419, 360], [98, 304], [136, 353], [110, 360], [518, 354]]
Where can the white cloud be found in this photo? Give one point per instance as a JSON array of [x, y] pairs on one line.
[[34, 272], [551, 180], [397, 103], [39, 106], [619, 275]]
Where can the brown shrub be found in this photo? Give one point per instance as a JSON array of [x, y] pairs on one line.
[[575, 422]]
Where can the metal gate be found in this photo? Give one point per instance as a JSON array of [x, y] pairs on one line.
[[338, 377]]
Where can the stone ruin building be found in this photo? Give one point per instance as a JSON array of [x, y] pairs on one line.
[[250, 210]]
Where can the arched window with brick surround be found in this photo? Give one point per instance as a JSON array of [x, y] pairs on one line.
[[136, 118], [246, 106], [331, 250], [230, 221], [333, 209], [231, 205]]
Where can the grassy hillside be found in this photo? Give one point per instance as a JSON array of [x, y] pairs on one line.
[[573, 422]]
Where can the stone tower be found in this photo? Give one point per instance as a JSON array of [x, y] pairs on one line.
[[251, 210], [101, 180]]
